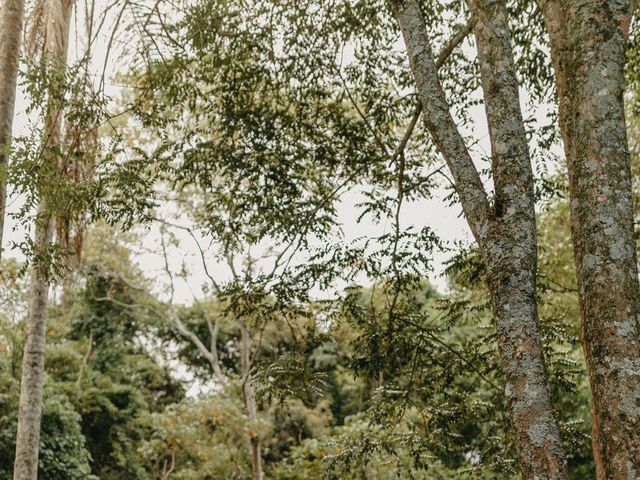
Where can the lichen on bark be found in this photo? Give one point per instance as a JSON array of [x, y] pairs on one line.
[[588, 41], [506, 235]]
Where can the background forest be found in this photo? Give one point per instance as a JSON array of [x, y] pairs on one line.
[[229, 204]]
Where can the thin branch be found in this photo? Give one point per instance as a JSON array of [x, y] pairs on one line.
[[181, 327], [85, 359], [215, 284], [396, 241], [364, 118], [439, 121], [444, 54], [454, 41], [214, 330], [464, 360]]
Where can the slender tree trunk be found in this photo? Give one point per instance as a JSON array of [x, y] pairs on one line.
[[588, 40], [256, 454], [250, 403], [11, 21], [505, 233], [31, 387]]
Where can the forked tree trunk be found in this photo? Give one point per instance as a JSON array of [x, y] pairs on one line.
[[11, 21], [505, 233], [588, 40], [31, 387]]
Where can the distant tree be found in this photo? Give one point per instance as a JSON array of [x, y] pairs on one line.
[[117, 381]]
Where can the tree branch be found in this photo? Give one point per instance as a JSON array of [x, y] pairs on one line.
[[444, 54], [438, 119], [181, 327]]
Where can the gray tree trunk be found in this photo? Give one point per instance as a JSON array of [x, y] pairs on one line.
[[588, 40], [506, 232], [11, 22], [250, 402], [31, 387]]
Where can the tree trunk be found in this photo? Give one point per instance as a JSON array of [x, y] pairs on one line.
[[250, 403], [588, 41], [77, 168], [256, 454], [31, 387], [11, 21], [505, 233], [511, 252]]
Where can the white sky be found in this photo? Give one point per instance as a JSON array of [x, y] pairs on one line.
[[445, 220]]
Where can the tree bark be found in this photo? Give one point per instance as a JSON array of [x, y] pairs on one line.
[[505, 233], [11, 22], [31, 387], [588, 41], [250, 402]]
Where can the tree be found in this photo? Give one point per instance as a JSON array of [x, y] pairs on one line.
[[261, 121], [210, 352], [63, 453], [56, 38], [506, 230], [259, 144], [116, 383], [588, 41], [11, 21]]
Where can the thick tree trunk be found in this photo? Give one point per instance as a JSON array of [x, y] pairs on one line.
[[506, 233], [511, 252], [11, 21], [31, 387], [588, 42]]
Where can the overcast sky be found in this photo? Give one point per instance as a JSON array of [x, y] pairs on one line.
[[445, 220]]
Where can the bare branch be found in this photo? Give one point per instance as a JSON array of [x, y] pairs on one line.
[[214, 283], [181, 327]]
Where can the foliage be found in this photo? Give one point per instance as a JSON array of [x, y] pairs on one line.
[[63, 453], [250, 128]]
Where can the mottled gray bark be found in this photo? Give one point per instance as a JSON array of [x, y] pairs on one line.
[[506, 232], [31, 386], [438, 119], [11, 22], [511, 252], [588, 40]]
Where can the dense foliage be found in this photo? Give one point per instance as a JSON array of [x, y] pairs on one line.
[[250, 129]]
